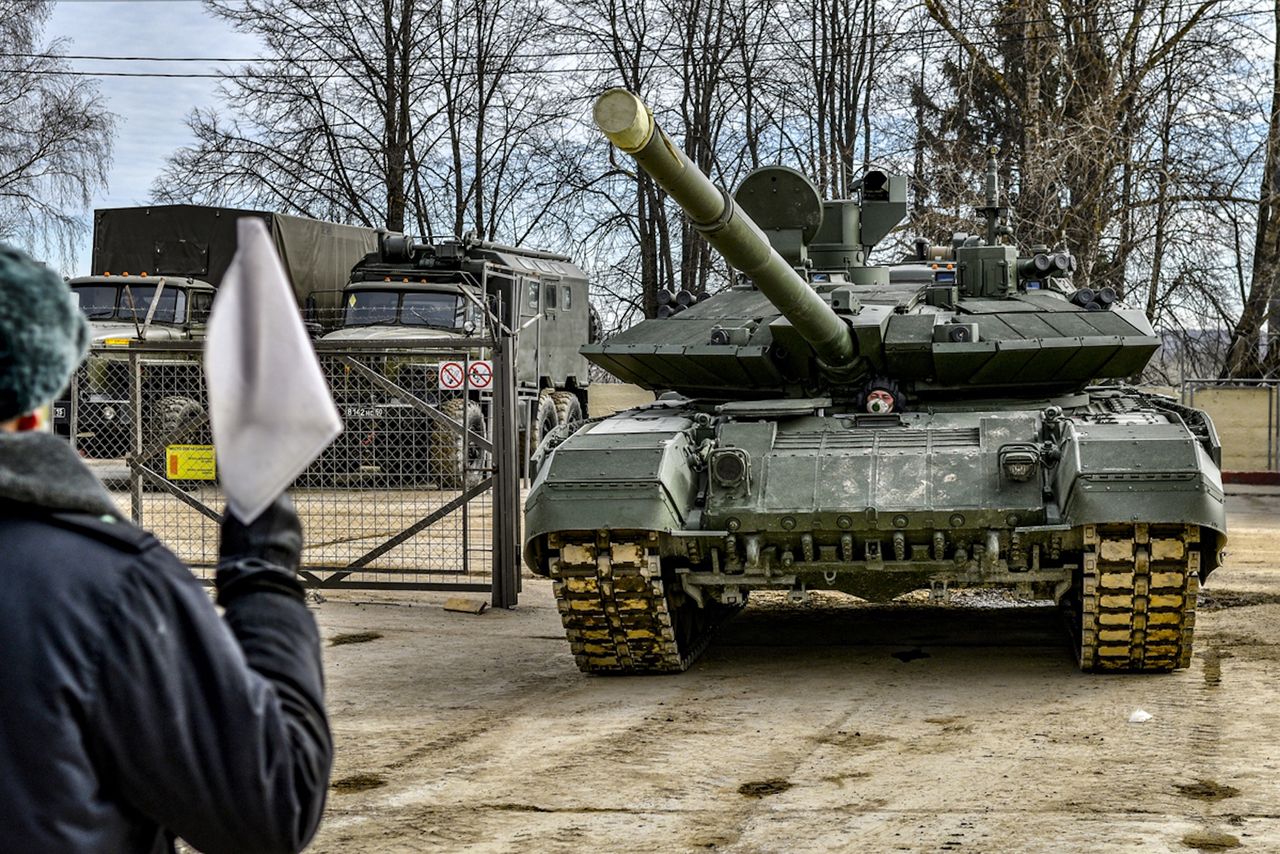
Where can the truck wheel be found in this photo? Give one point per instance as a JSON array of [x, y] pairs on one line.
[[568, 408], [169, 416], [545, 419], [451, 470], [174, 413]]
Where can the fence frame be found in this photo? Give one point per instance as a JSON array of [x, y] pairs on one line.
[[500, 404]]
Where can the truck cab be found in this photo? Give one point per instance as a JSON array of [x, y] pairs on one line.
[[388, 310], [150, 308], [156, 269]]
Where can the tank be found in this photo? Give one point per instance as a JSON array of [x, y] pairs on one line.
[[958, 420]]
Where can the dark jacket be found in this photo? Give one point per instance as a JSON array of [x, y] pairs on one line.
[[129, 711]]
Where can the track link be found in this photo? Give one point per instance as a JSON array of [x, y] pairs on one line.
[[618, 612], [1138, 597]]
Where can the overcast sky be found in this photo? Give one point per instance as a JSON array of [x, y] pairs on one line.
[[150, 111]]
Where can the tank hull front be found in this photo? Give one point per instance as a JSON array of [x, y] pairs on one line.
[[1024, 497]]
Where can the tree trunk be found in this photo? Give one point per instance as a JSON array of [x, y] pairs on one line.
[[1243, 356]]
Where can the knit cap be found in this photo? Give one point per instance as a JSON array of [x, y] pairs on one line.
[[43, 335]]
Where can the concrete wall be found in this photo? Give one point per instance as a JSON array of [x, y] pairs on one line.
[[607, 398], [1245, 418]]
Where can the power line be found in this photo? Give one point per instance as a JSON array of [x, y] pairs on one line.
[[918, 32], [655, 57]]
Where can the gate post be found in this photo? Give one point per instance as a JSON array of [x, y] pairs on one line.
[[135, 423], [506, 482]]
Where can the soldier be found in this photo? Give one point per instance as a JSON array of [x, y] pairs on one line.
[[130, 712]]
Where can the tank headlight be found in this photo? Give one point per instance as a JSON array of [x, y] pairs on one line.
[[1019, 462], [730, 466], [108, 413]]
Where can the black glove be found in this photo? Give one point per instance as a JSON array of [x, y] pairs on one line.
[[263, 555]]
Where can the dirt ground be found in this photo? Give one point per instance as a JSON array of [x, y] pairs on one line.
[[818, 728]]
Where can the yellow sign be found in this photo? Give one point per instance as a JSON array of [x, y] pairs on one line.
[[190, 462], [117, 342]]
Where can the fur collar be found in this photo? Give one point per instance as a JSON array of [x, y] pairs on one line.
[[41, 470]]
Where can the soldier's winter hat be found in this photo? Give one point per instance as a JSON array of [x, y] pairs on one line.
[[43, 336]]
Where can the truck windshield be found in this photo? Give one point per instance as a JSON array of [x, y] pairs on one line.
[[98, 302], [124, 302], [410, 308], [365, 308], [439, 310]]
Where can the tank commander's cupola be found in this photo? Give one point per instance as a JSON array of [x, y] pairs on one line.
[[827, 236]]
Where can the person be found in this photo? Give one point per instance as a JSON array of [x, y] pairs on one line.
[[130, 712]]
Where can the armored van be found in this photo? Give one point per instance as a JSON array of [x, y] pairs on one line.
[[458, 289]]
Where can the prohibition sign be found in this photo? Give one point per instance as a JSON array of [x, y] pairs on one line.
[[452, 375], [480, 374]]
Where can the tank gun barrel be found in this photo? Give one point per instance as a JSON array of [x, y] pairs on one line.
[[629, 125]]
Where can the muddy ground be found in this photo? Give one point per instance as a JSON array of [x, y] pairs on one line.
[[830, 727]]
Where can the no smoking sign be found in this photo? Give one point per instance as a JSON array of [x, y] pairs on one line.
[[456, 375], [453, 375], [480, 374]]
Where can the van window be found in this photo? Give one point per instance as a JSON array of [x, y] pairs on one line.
[[533, 295], [568, 297], [551, 297]]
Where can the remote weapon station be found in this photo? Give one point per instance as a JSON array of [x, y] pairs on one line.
[[873, 430]]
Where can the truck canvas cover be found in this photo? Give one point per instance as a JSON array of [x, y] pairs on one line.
[[195, 241]]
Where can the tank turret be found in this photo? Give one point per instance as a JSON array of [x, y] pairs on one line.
[[818, 319]]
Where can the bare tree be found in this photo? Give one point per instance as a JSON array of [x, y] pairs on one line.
[[1063, 92], [405, 114], [827, 56], [55, 135], [1245, 357], [1128, 131]]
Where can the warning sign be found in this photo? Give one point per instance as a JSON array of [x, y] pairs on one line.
[[453, 375], [480, 374], [190, 462]]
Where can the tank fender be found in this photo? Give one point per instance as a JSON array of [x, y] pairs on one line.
[[1138, 473], [625, 473]]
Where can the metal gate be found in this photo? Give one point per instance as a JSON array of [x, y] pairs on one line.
[[419, 492]]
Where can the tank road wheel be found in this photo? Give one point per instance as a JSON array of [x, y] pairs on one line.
[[620, 613], [1136, 597], [450, 469], [568, 409]]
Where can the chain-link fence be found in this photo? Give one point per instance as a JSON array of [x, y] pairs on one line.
[[404, 498]]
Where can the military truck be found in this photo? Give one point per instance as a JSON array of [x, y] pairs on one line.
[[156, 271], [830, 428], [458, 288]]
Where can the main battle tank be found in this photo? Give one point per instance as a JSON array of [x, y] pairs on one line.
[[833, 425]]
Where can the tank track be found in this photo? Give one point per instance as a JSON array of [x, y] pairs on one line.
[[1137, 593], [619, 614]]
